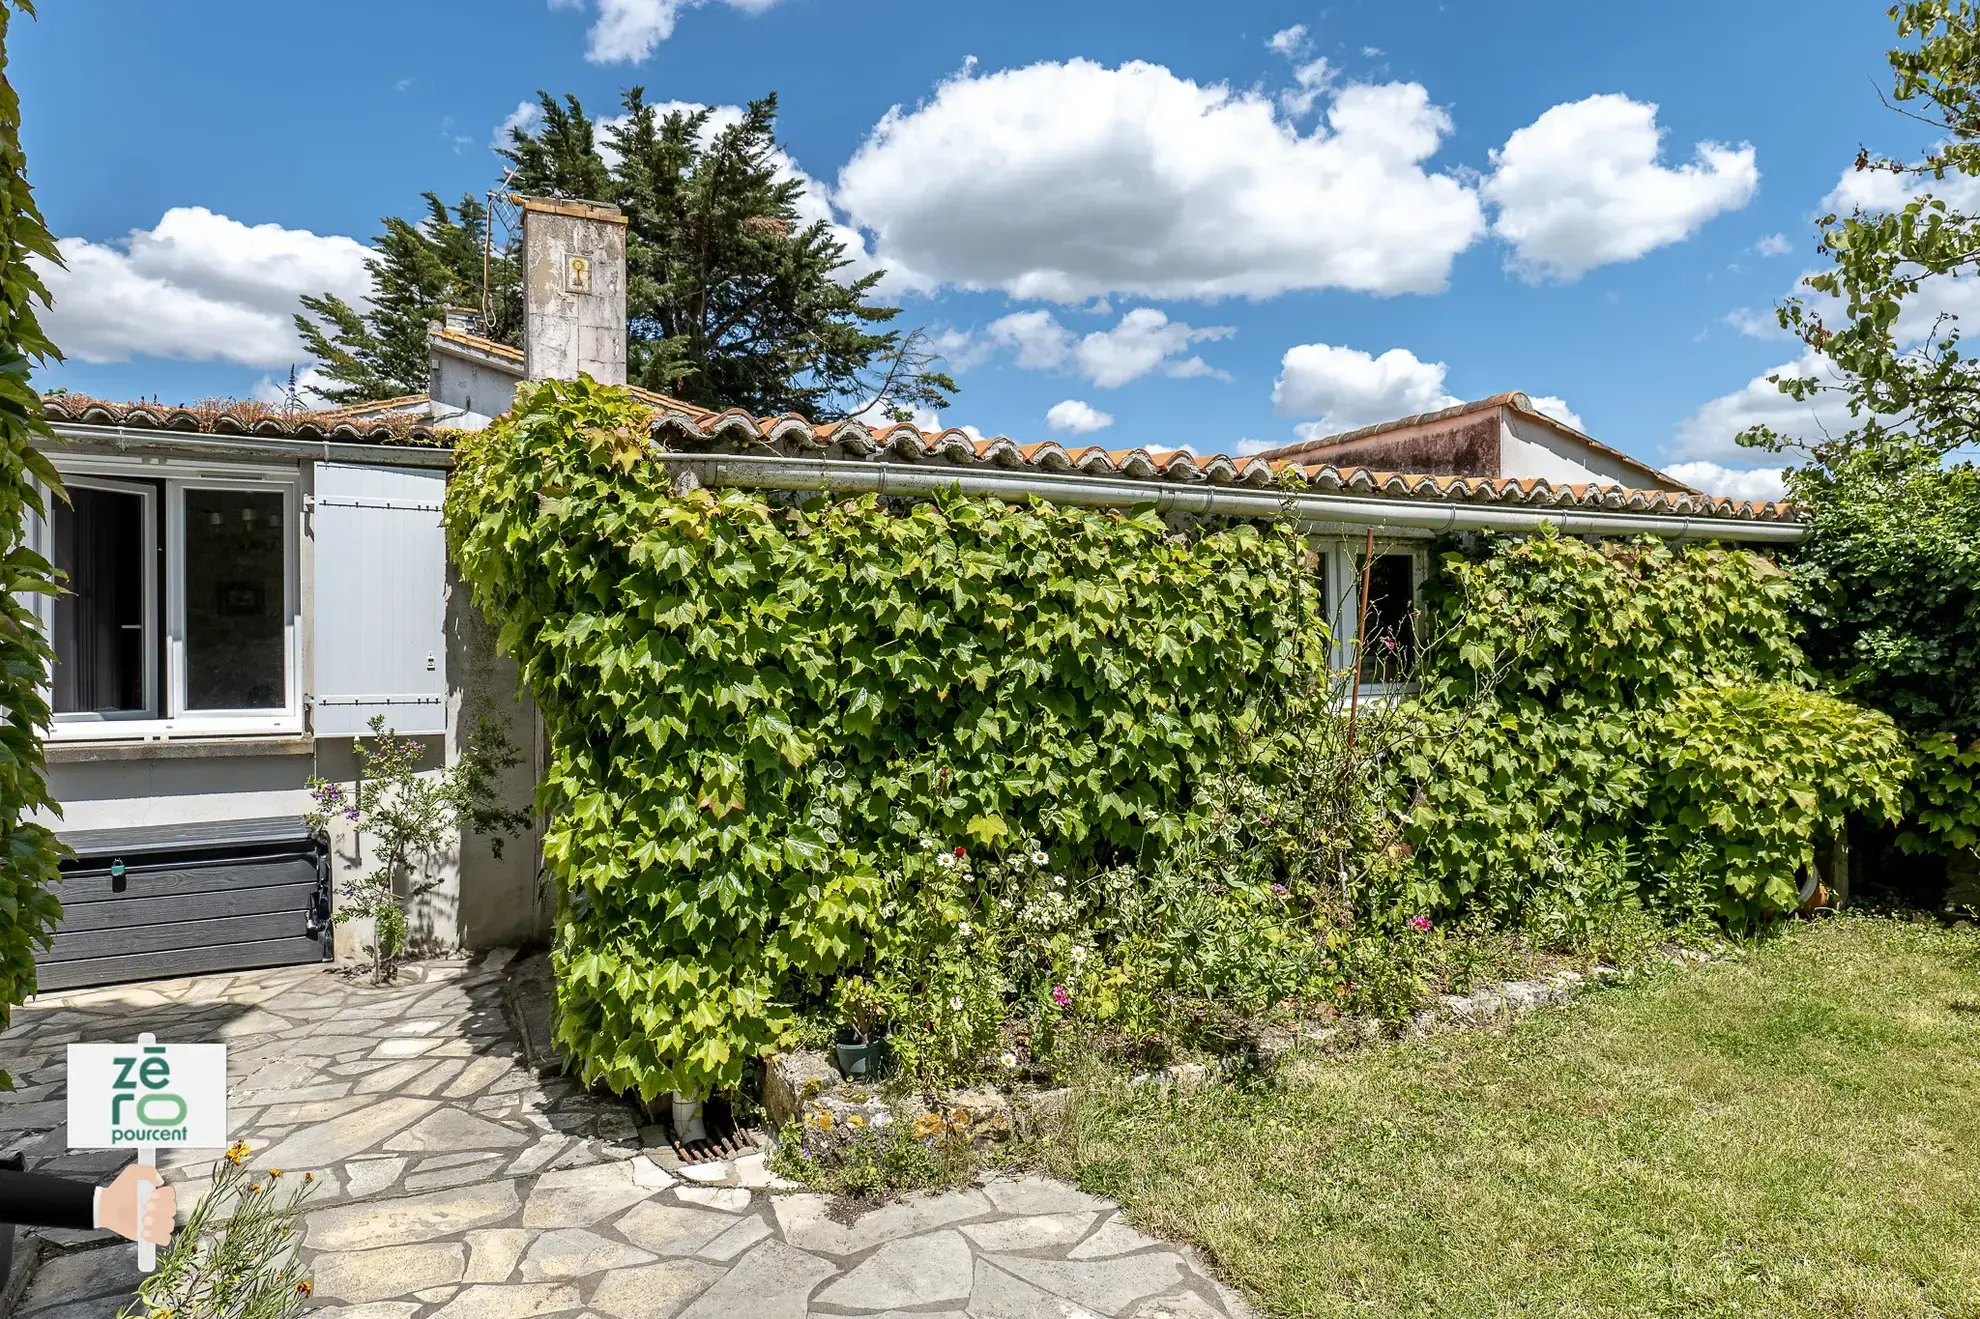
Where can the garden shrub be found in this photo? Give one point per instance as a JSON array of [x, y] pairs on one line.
[[758, 707], [30, 856], [1631, 700]]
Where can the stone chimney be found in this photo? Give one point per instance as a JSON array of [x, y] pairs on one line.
[[574, 291]]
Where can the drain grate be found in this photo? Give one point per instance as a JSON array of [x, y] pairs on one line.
[[727, 1138]]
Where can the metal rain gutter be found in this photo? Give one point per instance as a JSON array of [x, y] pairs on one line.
[[144, 440], [1313, 510]]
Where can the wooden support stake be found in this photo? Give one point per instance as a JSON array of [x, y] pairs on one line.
[[1360, 639]]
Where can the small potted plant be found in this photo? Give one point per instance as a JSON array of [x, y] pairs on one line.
[[863, 1038]]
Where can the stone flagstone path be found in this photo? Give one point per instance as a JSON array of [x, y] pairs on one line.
[[457, 1184]]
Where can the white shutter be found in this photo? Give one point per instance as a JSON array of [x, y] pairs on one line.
[[381, 600]]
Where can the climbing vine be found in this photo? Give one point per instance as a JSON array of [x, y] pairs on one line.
[[29, 854], [756, 706], [1630, 699]]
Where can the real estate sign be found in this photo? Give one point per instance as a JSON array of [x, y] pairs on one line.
[[146, 1095]]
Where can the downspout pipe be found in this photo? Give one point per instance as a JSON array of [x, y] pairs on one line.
[[1311, 509]]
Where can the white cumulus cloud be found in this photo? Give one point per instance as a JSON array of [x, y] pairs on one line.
[[1774, 245], [1064, 181], [1582, 186], [1077, 418], [628, 30], [1145, 341], [198, 286], [1557, 408], [1346, 388], [1709, 432], [523, 116], [1762, 483]]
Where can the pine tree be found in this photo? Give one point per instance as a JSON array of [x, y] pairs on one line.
[[420, 268], [732, 300]]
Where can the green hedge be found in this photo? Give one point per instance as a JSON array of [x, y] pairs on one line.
[[753, 707], [1636, 704]]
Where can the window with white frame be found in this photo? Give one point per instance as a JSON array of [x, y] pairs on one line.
[[1394, 575], [181, 615]]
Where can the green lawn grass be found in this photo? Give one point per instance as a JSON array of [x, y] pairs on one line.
[[1794, 1131]]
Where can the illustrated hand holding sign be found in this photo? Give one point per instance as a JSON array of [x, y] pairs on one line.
[[145, 1096]]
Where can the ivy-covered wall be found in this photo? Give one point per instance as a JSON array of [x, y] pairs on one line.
[[752, 708], [1636, 711]]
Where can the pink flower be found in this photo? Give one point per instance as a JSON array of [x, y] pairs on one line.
[[1419, 922], [1061, 995], [1280, 890]]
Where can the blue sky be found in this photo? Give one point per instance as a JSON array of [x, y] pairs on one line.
[[1155, 211]]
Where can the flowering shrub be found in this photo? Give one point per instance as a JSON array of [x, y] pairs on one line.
[[235, 1256], [756, 708]]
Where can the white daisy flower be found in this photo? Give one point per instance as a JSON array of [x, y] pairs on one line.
[[1008, 1060], [1039, 859], [1079, 954], [963, 929], [946, 861], [955, 1003]]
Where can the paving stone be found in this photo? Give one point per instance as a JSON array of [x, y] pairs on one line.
[[105, 1271], [772, 1282], [403, 1048], [1115, 1237], [477, 1076], [494, 1252], [668, 1229], [367, 1177], [728, 1199], [354, 1133], [1037, 1195], [451, 1129], [518, 1301], [708, 1174], [653, 1291], [473, 1170], [1180, 1305], [572, 1252], [380, 1275], [995, 1294], [540, 1155], [1038, 1232], [736, 1240], [435, 1078], [411, 1218], [374, 1310], [926, 1270], [752, 1170], [806, 1223], [311, 1111], [1104, 1285], [434, 1295], [576, 1196], [648, 1174]]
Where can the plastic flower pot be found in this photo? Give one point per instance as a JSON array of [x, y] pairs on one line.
[[861, 1059], [688, 1126]]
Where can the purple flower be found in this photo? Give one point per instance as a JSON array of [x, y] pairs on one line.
[[1419, 923], [1061, 995], [1280, 890]]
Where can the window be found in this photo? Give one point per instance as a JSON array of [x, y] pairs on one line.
[[182, 603], [1393, 577], [105, 631]]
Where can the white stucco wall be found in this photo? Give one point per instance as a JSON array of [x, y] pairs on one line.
[[1530, 449]]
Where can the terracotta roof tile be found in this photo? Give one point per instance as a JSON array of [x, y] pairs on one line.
[[737, 431], [248, 418]]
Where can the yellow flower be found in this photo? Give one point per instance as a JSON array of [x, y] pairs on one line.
[[303, 1288], [821, 1120], [855, 1120], [275, 1172], [237, 1153], [927, 1125], [309, 1177]]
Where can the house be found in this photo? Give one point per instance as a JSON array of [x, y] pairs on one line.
[[250, 587]]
